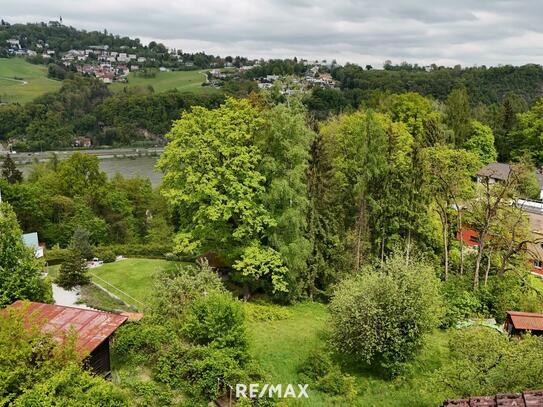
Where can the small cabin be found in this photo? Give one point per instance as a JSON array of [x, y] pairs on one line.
[[93, 329], [518, 323]]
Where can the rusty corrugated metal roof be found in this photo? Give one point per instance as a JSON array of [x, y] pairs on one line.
[[526, 399], [92, 327], [526, 320]]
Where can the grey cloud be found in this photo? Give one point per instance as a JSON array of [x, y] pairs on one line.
[[464, 31]]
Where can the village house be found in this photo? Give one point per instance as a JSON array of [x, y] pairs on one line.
[[31, 241], [534, 248], [499, 172], [93, 329]]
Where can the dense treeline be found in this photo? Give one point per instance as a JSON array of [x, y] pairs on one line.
[[484, 85], [84, 107], [277, 67], [61, 197]]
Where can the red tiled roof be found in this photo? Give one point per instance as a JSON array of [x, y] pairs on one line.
[[526, 320], [526, 399], [92, 327]]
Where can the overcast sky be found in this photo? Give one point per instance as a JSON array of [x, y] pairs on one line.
[[448, 32]]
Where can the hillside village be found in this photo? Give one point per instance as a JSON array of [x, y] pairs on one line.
[[184, 229]]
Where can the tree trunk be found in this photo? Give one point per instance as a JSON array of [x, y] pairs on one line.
[[383, 247], [360, 233], [446, 247], [461, 231], [478, 262], [488, 266]]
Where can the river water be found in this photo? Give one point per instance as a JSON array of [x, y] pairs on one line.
[[128, 167]]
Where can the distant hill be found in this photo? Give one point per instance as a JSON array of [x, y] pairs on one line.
[[21, 81], [485, 85]]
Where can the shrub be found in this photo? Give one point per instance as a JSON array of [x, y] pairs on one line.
[[56, 255], [178, 288], [105, 254], [319, 368], [138, 341], [485, 361], [150, 250], [216, 320], [266, 312], [73, 271], [380, 317], [203, 371]]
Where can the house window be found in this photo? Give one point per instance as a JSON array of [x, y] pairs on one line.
[[474, 239], [538, 263]]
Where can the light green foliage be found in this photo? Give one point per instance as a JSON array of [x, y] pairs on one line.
[[380, 317], [265, 312], [481, 143], [216, 320], [236, 177], [285, 144], [527, 136], [179, 287], [19, 271], [485, 361], [263, 262], [423, 122], [73, 387], [211, 175]]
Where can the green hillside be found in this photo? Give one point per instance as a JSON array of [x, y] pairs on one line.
[[21, 81], [190, 81]]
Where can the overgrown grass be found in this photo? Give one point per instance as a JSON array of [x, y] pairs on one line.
[[97, 298], [21, 81], [280, 346], [134, 277], [189, 81]]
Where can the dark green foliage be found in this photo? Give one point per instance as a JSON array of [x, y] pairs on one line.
[[139, 342], [81, 242], [84, 107], [511, 292], [106, 255], [320, 369], [73, 272], [10, 172], [192, 336], [484, 85]]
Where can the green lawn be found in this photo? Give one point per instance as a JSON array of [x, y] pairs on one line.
[[189, 81], [280, 346], [133, 277], [21, 81]]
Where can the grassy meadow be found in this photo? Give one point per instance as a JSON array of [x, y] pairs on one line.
[[186, 81], [281, 346], [133, 276], [20, 81]]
